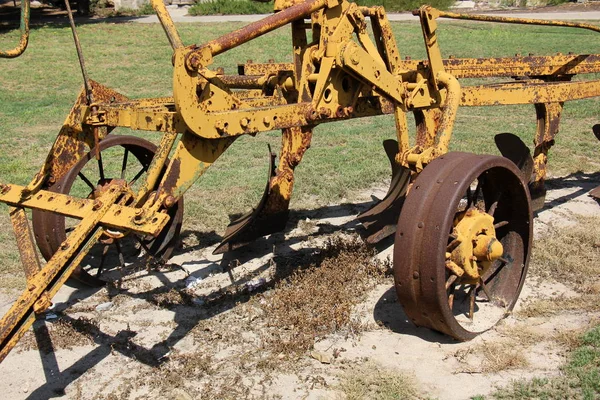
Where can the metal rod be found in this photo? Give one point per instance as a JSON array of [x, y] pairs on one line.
[[86, 80], [265, 25], [20, 48], [167, 23], [513, 20]]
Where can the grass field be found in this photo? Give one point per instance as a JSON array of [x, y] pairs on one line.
[[38, 89]]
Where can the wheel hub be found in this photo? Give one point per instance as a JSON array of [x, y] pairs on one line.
[[476, 246]]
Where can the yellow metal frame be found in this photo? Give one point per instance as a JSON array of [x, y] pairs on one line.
[[338, 74]]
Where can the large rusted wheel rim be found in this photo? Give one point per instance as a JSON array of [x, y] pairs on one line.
[[124, 160], [462, 244]]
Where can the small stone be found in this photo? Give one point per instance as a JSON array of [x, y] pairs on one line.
[[198, 301], [322, 357], [104, 306], [191, 282], [50, 316]]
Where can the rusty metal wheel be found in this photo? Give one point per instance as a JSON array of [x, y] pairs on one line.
[[463, 243], [124, 160]]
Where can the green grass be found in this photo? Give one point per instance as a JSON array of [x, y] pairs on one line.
[[580, 378], [346, 158], [405, 5], [230, 7]]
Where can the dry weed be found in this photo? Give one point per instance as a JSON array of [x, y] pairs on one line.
[[491, 358], [62, 334], [168, 298], [501, 357], [370, 381], [522, 334], [545, 307], [570, 255], [318, 301], [180, 370]]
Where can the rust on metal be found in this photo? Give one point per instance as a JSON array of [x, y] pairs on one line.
[[24, 40], [464, 221]]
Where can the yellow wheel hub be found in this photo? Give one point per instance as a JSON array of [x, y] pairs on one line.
[[475, 246]]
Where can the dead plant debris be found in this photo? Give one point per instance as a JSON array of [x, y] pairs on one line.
[[61, 334], [318, 301]]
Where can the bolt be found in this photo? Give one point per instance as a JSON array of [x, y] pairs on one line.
[[415, 275], [169, 201], [311, 115], [244, 122], [139, 212], [64, 245], [4, 188], [267, 121], [324, 112], [31, 287], [221, 126], [97, 204]]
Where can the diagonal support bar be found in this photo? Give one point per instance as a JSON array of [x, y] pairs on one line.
[[48, 280]]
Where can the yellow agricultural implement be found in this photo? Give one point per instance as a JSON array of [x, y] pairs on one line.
[[463, 222]]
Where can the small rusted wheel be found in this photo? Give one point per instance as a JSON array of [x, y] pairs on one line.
[[124, 161], [462, 244]]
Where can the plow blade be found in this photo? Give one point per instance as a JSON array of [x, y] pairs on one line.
[[380, 220], [256, 223], [513, 148]]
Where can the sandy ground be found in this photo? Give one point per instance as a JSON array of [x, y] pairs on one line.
[[133, 336]]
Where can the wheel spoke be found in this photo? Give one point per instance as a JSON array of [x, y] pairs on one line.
[[120, 251], [124, 165], [453, 245], [450, 281], [500, 224], [472, 302], [485, 290], [86, 180], [137, 176], [504, 261], [100, 166], [101, 266], [494, 205], [141, 243], [451, 297]]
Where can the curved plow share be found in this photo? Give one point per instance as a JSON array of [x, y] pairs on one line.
[[463, 236]]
